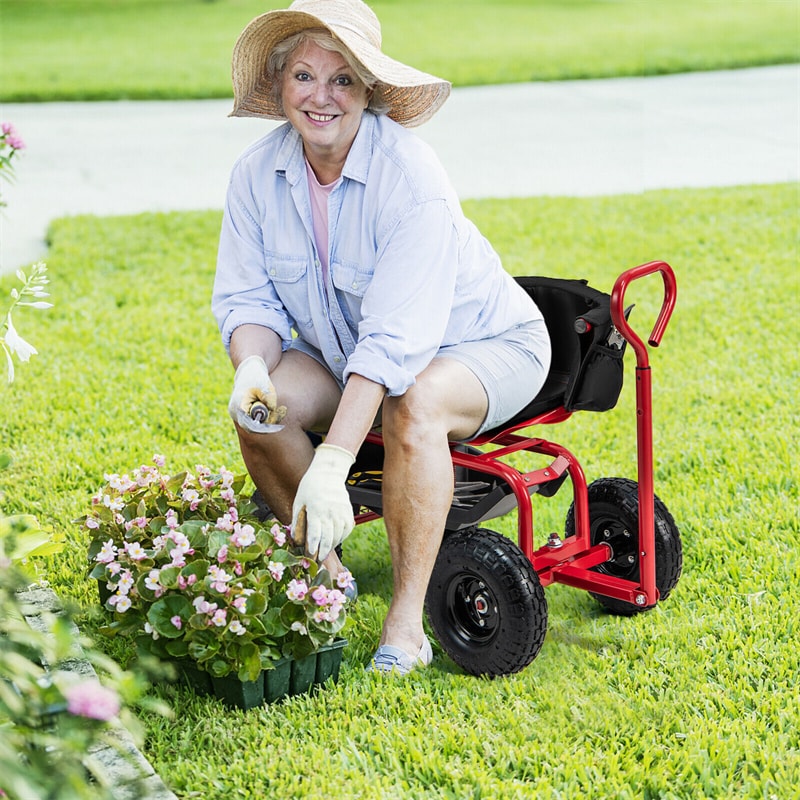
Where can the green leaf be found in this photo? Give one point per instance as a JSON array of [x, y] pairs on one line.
[[275, 625], [168, 577], [177, 647], [163, 610], [256, 604], [249, 662]]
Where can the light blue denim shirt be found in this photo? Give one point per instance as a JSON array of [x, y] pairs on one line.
[[409, 273]]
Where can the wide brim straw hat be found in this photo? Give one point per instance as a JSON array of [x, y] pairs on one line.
[[413, 97]]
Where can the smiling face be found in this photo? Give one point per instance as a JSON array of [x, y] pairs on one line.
[[324, 100]]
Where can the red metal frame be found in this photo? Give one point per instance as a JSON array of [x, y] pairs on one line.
[[570, 561]]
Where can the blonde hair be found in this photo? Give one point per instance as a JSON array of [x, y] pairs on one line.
[[279, 57]]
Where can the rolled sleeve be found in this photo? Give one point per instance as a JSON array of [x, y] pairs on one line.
[[243, 293], [406, 309]]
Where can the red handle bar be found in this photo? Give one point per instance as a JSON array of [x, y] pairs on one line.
[[667, 306]]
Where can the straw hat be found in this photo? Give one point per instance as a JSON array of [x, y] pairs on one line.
[[413, 97]]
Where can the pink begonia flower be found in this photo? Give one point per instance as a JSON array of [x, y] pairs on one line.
[[240, 604], [320, 595], [120, 601], [92, 700], [228, 495], [336, 598], [297, 589], [278, 534], [114, 503], [172, 519], [224, 523], [114, 567], [148, 628], [202, 606], [180, 539], [125, 582], [276, 569], [243, 535], [192, 579], [320, 615], [120, 483], [219, 618], [344, 580], [135, 551], [192, 497], [93, 523], [305, 563], [237, 628], [176, 621], [238, 568], [159, 460], [219, 574], [182, 582], [151, 581], [222, 554], [108, 552], [300, 628], [7, 128]]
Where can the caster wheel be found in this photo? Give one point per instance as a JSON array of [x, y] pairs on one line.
[[614, 520], [486, 604]]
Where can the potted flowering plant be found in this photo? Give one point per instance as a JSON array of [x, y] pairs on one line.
[[190, 571]]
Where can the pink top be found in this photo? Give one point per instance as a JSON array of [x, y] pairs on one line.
[[319, 215]]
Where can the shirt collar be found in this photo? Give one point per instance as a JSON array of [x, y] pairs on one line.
[[291, 160]]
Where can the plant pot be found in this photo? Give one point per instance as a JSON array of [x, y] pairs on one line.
[[103, 591], [287, 678]]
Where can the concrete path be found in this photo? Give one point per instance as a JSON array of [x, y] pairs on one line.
[[567, 138]]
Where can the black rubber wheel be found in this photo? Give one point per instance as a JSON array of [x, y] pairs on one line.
[[486, 604], [614, 519]]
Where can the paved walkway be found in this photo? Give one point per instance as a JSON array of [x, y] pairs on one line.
[[566, 138]]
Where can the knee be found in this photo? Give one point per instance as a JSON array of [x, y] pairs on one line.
[[412, 420]]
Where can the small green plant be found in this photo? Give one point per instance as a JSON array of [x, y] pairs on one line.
[[30, 295], [193, 574], [51, 719]]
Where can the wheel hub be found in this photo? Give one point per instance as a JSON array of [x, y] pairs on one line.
[[473, 608], [624, 545]]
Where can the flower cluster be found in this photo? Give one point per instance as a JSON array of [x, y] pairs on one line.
[[33, 285], [10, 144], [187, 568]]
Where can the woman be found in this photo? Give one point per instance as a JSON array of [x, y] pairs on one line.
[[349, 284]]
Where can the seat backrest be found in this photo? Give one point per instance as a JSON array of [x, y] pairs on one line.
[[586, 367]]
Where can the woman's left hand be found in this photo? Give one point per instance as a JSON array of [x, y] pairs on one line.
[[322, 494]]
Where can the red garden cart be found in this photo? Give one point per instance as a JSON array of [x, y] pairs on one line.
[[486, 602]]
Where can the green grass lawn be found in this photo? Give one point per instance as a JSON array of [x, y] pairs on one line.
[[695, 699], [109, 49]]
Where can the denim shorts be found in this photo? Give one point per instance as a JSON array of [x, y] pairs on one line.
[[512, 367]]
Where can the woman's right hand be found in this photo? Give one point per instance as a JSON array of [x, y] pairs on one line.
[[252, 385]]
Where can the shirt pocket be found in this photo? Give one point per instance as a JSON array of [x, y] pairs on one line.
[[351, 282], [351, 278], [288, 275]]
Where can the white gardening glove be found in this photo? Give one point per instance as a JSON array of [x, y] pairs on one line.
[[322, 515], [253, 394]]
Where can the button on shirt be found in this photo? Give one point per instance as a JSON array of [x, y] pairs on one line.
[[408, 272]]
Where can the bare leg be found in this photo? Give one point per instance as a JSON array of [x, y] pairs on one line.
[[277, 461], [448, 401]]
